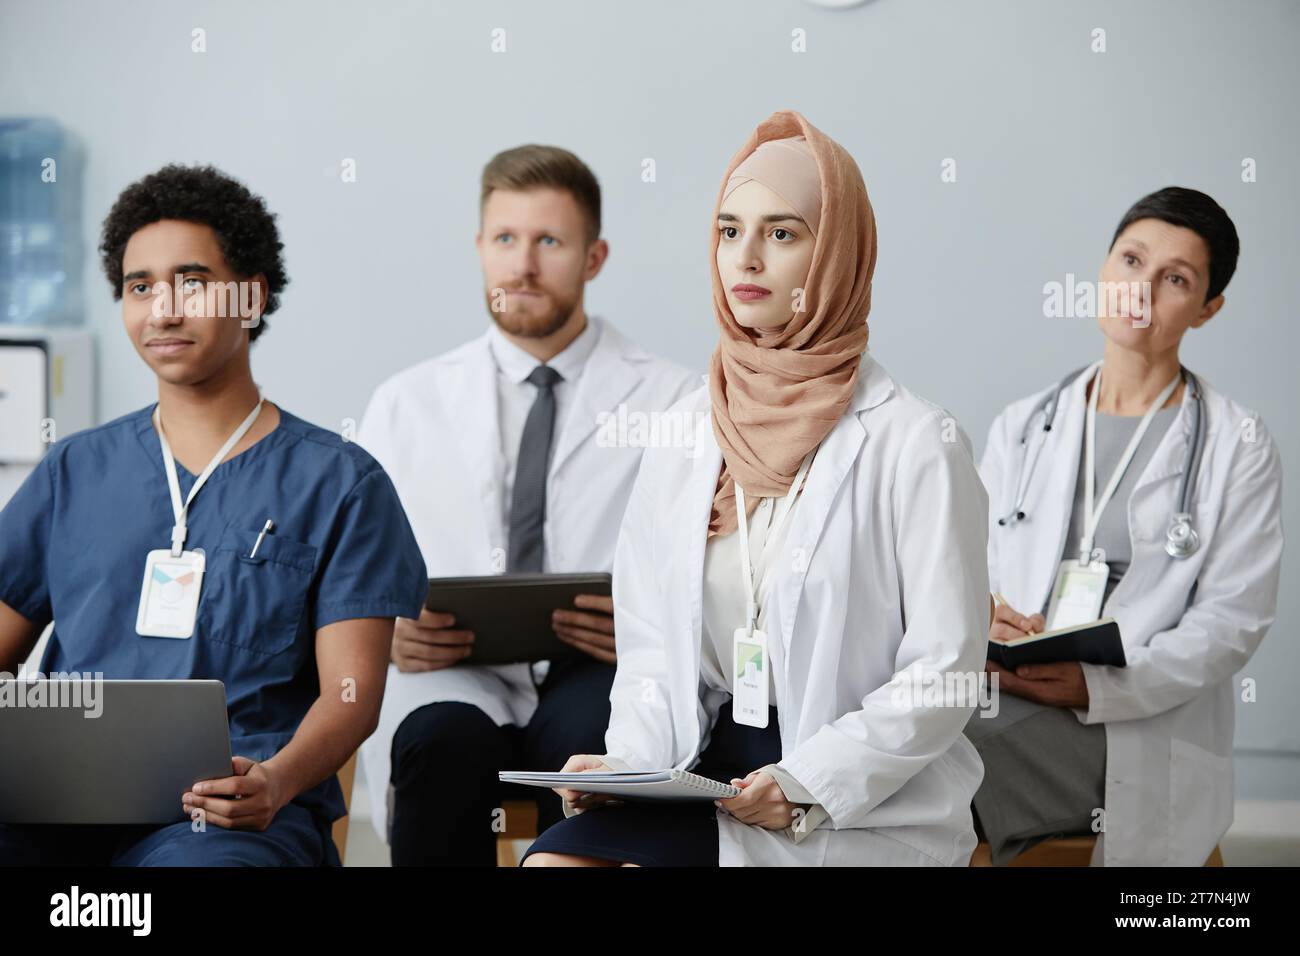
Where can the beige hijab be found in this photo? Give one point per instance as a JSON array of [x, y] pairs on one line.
[[776, 394]]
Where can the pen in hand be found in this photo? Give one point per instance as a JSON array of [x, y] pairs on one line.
[[1003, 602]]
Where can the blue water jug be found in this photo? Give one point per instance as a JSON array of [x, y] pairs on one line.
[[40, 224]]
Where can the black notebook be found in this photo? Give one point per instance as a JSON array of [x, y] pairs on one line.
[[1096, 642], [510, 614]]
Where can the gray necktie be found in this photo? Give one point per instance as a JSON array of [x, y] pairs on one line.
[[528, 498]]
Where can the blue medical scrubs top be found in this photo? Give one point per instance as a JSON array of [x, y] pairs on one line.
[[73, 542]]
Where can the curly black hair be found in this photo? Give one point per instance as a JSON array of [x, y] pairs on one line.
[[245, 228]]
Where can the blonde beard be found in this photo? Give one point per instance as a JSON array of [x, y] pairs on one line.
[[534, 327]]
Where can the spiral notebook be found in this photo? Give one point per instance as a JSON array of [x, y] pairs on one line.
[[676, 785]]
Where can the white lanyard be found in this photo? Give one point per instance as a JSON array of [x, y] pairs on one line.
[[742, 523], [1091, 513], [173, 485]]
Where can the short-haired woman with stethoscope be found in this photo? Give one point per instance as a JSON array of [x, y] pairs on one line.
[[824, 535], [1139, 493]]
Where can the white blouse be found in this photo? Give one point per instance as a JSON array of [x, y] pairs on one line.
[[724, 611], [724, 591]]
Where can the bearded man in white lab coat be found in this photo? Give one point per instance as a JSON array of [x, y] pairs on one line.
[[504, 457]]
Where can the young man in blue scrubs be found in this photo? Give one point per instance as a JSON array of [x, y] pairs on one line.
[[283, 573]]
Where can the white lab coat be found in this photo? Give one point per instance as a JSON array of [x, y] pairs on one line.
[[884, 574], [435, 429], [1187, 625]]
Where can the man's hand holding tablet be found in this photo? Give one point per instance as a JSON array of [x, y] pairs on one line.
[[429, 644], [591, 632]]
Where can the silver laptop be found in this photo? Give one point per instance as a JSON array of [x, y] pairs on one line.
[[112, 751]]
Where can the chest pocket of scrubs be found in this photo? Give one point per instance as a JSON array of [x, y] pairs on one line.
[[257, 603]]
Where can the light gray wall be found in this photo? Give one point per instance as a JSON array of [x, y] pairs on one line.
[[1052, 143]]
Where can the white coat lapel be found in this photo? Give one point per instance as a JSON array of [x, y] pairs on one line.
[[1171, 454], [832, 464], [689, 538], [1049, 505], [1154, 495], [468, 388], [607, 378]]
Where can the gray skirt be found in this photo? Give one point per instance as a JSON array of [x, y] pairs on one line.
[[1044, 775]]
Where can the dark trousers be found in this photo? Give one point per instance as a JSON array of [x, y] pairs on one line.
[[668, 834], [438, 823], [298, 836]]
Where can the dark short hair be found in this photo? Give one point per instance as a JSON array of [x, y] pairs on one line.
[[1196, 211], [205, 195], [539, 167]]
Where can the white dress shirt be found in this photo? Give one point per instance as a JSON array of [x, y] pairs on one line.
[[515, 395]]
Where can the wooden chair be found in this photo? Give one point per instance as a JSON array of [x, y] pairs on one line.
[[521, 824], [347, 775], [1063, 851]]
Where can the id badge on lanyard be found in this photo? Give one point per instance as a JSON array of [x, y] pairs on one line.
[[750, 659], [169, 596], [173, 577], [1080, 587], [749, 703], [1077, 595]]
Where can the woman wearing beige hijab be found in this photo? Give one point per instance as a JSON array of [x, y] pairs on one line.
[[805, 676]]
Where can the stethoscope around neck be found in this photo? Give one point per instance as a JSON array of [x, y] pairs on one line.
[[1181, 539]]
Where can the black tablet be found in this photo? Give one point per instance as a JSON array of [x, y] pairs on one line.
[[510, 614]]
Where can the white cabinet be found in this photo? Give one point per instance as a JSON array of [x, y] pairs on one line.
[[24, 400], [47, 389]]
